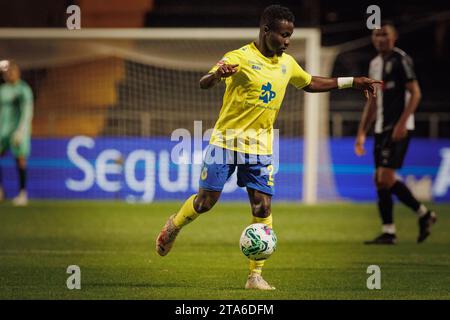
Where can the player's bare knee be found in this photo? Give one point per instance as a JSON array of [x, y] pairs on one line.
[[379, 183], [382, 185], [21, 163], [386, 179], [261, 210], [203, 204], [205, 200]]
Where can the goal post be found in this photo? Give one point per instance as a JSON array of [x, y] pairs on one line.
[[180, 54], [312, 120]]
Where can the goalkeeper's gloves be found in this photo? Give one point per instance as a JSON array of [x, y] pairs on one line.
[[17, 137], [4, 65]]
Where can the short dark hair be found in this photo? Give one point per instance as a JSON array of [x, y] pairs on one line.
[[274, 13]]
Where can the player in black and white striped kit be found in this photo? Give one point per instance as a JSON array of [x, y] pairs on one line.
[[393, 113]]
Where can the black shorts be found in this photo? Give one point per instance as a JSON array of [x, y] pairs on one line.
[[390, 154]]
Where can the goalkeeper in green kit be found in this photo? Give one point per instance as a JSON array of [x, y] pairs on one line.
[[16, 113]]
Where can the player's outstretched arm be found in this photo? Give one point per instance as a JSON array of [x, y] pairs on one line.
[[367, 118], [211, 79], [323, 84]]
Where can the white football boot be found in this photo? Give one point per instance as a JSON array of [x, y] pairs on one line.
[[21, 200], [256, 281]]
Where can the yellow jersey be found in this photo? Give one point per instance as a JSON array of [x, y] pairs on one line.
[[253, 98]]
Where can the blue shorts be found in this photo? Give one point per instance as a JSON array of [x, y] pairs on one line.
[[253, 171]]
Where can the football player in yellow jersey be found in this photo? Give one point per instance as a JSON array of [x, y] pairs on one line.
[[256, 78]]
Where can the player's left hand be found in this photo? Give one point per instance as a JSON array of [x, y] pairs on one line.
[[359, 145], [366, 84], [4, 65], [399, 132]]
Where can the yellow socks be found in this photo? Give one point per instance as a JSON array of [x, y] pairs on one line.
[[267, 221], [186, 214], [256, 266]]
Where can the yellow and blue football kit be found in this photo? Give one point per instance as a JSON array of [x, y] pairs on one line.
[[251, 103], [243, 134]]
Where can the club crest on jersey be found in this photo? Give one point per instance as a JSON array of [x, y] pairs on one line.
[[267, 94], [388, 67]]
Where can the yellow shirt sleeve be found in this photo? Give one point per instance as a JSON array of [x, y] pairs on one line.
[[232, 57], [299, 77]]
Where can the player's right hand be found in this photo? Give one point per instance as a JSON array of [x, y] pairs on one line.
[[359, 145], [369, 86], [4, 65], [226, 70]]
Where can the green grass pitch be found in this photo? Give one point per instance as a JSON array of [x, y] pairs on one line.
[[320, 254]]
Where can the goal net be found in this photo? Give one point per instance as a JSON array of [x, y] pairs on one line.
[[145, 83]]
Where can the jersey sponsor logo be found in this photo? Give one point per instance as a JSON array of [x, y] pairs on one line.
[[283, 68], [388, 67], [267, 94], [255, 65]]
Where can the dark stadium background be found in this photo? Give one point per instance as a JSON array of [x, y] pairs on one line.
[[424, 33]]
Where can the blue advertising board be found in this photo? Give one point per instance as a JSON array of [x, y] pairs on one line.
[[141, 169], [426, 169]]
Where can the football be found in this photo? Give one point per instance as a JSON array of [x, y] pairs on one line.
[[258, 241]]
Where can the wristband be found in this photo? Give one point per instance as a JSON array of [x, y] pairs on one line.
[[345, 82]]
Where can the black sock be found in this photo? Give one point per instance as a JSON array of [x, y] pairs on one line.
[[404, 195], [385, 205], [22, 178]]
